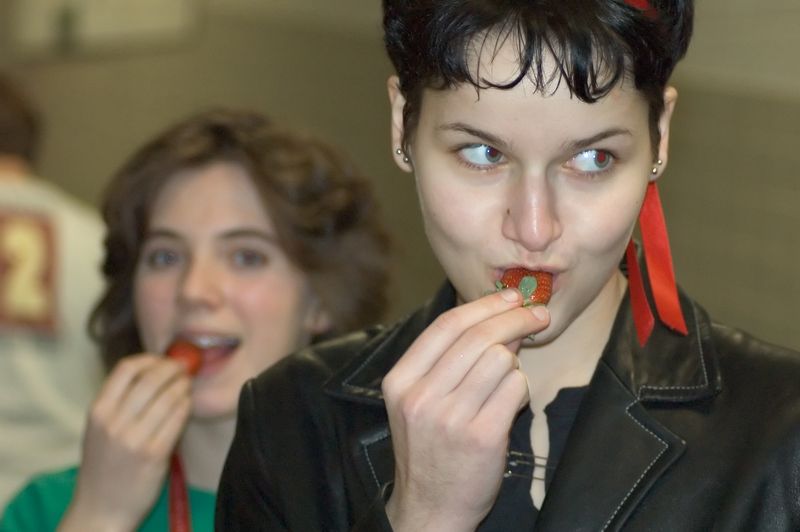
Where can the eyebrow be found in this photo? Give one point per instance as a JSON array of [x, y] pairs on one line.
[[494, 140], [580, 144], [502, 144], [238, 232]]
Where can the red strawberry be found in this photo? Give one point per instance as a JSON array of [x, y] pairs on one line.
[[187, 354], [536, 286]]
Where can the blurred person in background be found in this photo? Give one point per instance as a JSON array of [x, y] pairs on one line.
[[50, 252], [245, 241]]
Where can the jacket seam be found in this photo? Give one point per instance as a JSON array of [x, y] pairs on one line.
[[647, 469], [365, 446], [706, 382]]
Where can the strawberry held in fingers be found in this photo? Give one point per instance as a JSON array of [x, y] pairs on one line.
[[187, 354], [536, 286]]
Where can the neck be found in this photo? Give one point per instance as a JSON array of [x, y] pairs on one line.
[[570, 360], [203, 449], [13, 168]]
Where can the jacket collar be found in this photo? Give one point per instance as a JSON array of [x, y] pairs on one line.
[[360, 380], [599, 482], [670, 367]]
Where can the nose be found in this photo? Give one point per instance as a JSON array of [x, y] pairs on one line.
[[531, 218], [201, 284]]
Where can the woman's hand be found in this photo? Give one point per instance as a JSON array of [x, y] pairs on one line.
[[133, 427], [451, 400]]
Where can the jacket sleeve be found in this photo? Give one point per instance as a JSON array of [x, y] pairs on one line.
[[768, 496], [245, 500]]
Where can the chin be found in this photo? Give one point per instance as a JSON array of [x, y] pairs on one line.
[[210, 408]]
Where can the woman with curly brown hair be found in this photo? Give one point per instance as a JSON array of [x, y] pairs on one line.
[[242, 239]]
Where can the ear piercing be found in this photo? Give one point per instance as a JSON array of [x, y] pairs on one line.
[[654, 171], [398, 151]]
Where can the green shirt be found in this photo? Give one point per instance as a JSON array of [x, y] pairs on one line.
[[41, 504]]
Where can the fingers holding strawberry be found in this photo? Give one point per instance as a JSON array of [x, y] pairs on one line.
[[188, 354], [134, 424], [451, 401]]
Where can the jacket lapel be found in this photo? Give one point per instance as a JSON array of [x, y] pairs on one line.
[[617, 450]]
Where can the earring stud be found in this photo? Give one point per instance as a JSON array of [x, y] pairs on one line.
[[654, 170], [398, 151]]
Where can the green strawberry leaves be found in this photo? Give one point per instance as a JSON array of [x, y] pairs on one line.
[[527, 286]]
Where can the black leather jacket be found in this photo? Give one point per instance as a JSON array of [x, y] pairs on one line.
[[693, 433]]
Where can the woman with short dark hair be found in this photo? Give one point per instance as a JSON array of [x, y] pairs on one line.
[[544, 387]]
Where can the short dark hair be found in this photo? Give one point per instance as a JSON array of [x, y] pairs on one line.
[[595, 43], [323, 209], [20, 126]]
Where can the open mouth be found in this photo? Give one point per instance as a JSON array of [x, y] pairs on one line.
[[216, 350]]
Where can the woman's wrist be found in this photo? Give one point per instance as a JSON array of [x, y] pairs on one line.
[[416, 521], [85, 518]]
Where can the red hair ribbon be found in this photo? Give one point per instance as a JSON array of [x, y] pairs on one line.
[[644, 5], [658, 257]]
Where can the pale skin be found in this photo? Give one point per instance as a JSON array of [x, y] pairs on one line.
[[212, 270], [497, 193]]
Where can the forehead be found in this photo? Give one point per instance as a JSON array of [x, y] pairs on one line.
[[524, 115], [220, 195]]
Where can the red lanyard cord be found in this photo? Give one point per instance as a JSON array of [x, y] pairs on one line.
[[179, 516]]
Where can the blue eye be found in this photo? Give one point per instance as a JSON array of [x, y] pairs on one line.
[[592, 161], [159, 259], [248, 258], [482, 155]]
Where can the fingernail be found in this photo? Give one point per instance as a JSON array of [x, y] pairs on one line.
[[540, 311], [509, 294]]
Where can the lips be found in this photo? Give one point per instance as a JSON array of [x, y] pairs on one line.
[[216, 349]]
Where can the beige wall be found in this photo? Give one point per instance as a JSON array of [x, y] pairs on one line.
[[731, 198], [730, 190]]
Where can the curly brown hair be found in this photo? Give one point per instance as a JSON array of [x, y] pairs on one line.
[[324, 212]]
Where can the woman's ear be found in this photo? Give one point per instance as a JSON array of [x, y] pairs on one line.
[[318, 321], [397, 103], [670, 99]]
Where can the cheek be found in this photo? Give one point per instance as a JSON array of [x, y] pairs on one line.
[[154, 308], [608, 225], [453, 215], [274, 314]]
